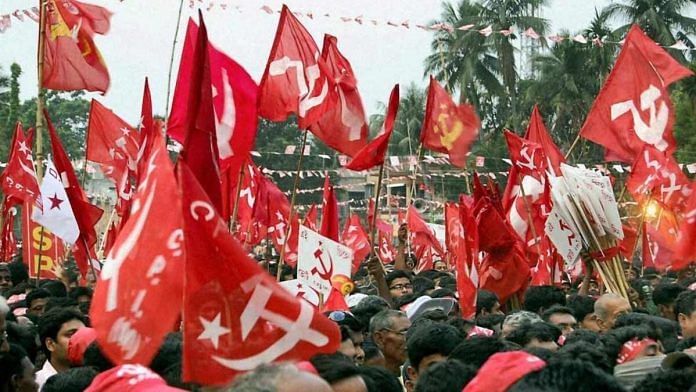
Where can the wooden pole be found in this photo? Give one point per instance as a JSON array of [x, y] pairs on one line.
[[171, 59], [376, 212], [572, 146], [41, 94], [292, 206], [233, 219]]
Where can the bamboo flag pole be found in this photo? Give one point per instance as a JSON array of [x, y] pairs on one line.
[[376, 211], [233, 219], [171, 59], [572, 147], [292, 206]]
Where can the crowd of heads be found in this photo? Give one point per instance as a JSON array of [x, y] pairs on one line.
[[409, 337]]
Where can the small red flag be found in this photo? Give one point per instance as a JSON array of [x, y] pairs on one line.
[[448, 127], [355, 237], [423, 240], [236, 316], [296, 80], [344, 126], [335, 302], [310, 219], [633, 109], [19, 178], [329, 214], [467, 264], [71, 60], [537, 132], [656, 176], [374, 152], [454, 235]]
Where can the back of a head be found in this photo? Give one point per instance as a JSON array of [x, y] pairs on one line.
[[668, 381], [379, 379], [556, 309], [55, 287], [666, 293], [94, 357], [584, 351], [568, 376], [368, 307], [432, 339], [450, 375], [422, 284], [485, 300], [476, 350], [542, 332], [169, 353], [18, 272], [73, 380], [11, 364], [581, 305], [539, 298], [583, 335], [334, 368], [60, 302], [266, 378]]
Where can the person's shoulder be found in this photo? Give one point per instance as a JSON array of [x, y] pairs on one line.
[[45, 373]]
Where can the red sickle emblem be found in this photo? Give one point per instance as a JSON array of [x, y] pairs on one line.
[[327, 272], [564, 227]]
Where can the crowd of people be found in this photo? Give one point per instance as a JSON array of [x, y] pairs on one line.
[[570, 337]]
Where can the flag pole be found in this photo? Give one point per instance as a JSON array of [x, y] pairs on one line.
[[41, 94], [375, 213], [171, 59], [572, 146], [292, 206], [233, 219]]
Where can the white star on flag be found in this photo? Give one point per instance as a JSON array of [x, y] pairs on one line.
[[212, 330], [125, 131], [23, 148]]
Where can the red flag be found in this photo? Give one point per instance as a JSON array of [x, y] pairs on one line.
[[344, 126], [8, 242], [251, 230], [200, 150], [236, 316], [335, 302], [310, 219], [373, 153], [272, 209], [633, 109], [467, 267], [296, 80], [423, 240], [19, 178], [658, 177], [527, 156], [454, 235], [448, 127], [86, 214], [234, 95], [329, 214], [71, 60], [686, 246], [385, 241], [537, 132], [143, 270], [627, 246], [111, 234], [355, 237]]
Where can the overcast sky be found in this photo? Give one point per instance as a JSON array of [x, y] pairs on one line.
[[140, 40]]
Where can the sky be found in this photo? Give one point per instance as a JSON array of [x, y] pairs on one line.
[[139, 43]]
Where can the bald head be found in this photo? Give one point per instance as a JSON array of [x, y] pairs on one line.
[[608, 307]]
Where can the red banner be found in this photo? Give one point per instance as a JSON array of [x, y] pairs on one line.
[[41, 247]]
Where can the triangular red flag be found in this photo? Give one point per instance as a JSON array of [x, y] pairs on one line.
[[423, 240], [373, 153], [658, 177], [686, 246], [355, 237], [310, 219], [335, 302], [19, 178], [537, 132], [236, 316], [329, 214]]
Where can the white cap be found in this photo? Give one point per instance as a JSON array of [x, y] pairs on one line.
[[425, 303]]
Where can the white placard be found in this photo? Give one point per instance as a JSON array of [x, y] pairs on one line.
[[319, 259], [564, 239]]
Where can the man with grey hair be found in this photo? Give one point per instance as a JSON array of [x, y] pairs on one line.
[[513, 320], [278, 378], [388, 331], [4, 309], [608, 308]]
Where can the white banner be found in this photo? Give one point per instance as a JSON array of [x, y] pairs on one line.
[[319, 260], [563, 238]]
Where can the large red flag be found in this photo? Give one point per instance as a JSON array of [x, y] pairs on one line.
[[537, 132], [236, 316], [138, 296], [86, 214], [374, 152], [71, 60], [329, 212], [448, 127], [200, 150], [355, 237], [296, 80], [686, 243], [657, 176], [344, 126], [467, 266], [234, 98], [633, 109], [19, 178], [454, 235]]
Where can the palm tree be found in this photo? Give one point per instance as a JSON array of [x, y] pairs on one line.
[[662, 20]]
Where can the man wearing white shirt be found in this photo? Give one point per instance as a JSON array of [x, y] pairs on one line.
[[55, 329]]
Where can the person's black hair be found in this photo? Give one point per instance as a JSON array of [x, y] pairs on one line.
[[556, 309], [543, 332], [443, 293], [404, 300], [60, 302], [450, 375], [36, 294], [666, 293], [94, 357], [490, 321], [584, 351], [584, 335], [51, 321], [73, 380], [168, 354], [540, 298], [368, 307], [172, 375], [614, 340], [447, 282], [542, 353], [686, 344], [19, 272], [668, 330], [437, 315], [23, 336], [650, 272], [397, 274], [432, 339], [431, 274], [582, 305], [485, 299], [382, 380], [568, 376], [11, 364], [685, 303], [371, 350], [334, 367], [55, 287], [421, 285], [350, 322], [81, 291], [476, 350], [667, 381]]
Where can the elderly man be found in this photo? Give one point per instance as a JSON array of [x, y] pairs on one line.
[[279, 378], [608, 308], [388, 331]]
